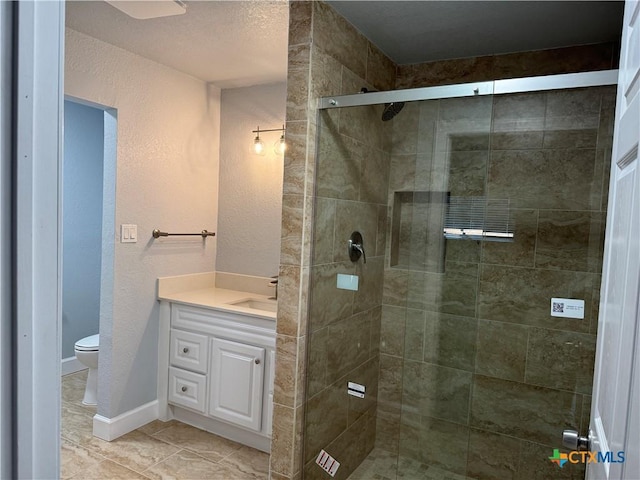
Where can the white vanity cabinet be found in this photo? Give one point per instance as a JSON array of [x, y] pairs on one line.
[[216, 371]]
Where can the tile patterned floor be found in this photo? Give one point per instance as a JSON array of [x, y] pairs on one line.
[[159, 450], [382, 465]]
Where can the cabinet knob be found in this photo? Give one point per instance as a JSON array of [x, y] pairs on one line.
[[257, 361], [185, 350], [184, 389]]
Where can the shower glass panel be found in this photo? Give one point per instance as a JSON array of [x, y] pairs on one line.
[[475, 213]]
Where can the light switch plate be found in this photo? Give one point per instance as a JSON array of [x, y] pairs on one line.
[[128, 233]]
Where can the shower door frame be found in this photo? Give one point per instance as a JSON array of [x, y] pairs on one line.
[[473, 89]]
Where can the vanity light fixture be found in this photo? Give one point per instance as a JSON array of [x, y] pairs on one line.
[[258, 145], [279, 147]]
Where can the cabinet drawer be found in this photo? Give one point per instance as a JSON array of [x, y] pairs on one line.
[[189, 350], [187, 389]]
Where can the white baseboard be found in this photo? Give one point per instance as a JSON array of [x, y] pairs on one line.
[[223, 429], [111, 428], [71, 365]]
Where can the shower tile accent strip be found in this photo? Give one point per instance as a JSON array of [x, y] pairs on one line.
[[328, 56]]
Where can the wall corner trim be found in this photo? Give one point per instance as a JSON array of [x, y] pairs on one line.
[[111, 428]]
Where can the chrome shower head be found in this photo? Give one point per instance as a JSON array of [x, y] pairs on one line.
[[391, 110]]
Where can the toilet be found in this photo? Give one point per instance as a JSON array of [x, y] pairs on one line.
[[87, 350]]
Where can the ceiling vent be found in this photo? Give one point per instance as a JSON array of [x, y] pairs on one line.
[[145, 9]]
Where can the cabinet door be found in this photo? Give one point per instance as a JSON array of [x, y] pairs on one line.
[[236, 383]]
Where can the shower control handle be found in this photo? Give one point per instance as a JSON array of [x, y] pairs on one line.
[[360, 248], [356, 247]]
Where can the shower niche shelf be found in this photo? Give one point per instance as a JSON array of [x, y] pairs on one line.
[[417, 223], [423, 221]]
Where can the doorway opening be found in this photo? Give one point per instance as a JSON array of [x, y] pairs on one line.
[[87, 252]]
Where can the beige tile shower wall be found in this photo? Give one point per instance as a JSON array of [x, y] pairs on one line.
[[584, 58], [471, 362], [327, 56], [344, 326]]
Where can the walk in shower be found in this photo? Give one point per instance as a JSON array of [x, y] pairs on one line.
[[478, 205]]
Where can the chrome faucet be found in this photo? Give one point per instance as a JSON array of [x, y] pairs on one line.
[[274, 283]]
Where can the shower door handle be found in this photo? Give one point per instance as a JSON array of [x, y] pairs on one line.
[[573, 441], [356, 248]]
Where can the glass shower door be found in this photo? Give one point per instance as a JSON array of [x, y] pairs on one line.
[[460, 330], [491, 373], [439, 214]]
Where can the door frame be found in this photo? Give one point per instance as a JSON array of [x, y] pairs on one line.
[[38, 48], [615, 409], [6, 254]]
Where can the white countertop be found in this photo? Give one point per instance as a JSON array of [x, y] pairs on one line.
[[219, 299]]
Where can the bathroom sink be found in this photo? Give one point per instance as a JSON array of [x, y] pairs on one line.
[[256, 304]]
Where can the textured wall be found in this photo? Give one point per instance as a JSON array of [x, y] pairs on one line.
[[81, 223], [167, 178], [250, 197]]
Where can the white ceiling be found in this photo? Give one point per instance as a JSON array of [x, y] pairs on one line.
[[228, 43], [241, 43], [422, 31]]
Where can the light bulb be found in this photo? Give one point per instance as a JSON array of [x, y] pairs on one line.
[[280, 146], [258, 146]]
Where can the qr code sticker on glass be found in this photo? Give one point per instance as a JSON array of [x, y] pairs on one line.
[[558, 307]]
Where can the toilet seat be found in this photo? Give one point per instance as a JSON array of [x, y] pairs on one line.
[[88, 344]]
